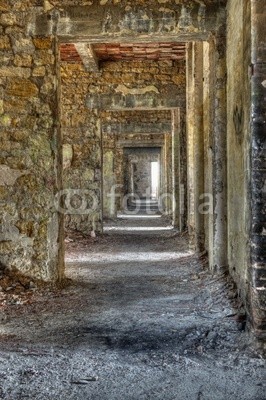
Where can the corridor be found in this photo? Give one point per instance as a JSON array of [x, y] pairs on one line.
[[140, 318]]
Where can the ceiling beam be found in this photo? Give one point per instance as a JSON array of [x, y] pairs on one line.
[[88, 56]]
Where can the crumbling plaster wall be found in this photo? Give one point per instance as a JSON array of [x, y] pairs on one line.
[[81, 149], [30, 163], [246, 156], [82, 126], [257, 273], [238, 141]]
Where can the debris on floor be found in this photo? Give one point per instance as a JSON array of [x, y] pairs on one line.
[[142, 318]]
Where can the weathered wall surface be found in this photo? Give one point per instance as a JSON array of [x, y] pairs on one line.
[[238, 141], [82, 149], [82, 127], [257, 274], [29, 147], [188, 19]]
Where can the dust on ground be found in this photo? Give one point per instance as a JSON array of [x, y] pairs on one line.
[[142, 318]]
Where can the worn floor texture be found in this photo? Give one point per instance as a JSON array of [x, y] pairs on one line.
[[142, 319]]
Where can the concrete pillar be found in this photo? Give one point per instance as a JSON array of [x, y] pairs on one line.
[[219, 159], [166, 195], [176, 167], [198, 144], [183, 171], [190, 145], [208, 118], [258, 171]]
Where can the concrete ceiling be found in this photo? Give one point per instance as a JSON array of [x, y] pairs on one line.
[[126, 51]]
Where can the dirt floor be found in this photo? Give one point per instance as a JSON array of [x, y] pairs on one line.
[[141, 319]]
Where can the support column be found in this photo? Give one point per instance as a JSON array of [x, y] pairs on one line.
[[183, 171], [167, 174], [190, 146], [258, 171], [198, 145], [176, 167], [208, 113], [220, 261]]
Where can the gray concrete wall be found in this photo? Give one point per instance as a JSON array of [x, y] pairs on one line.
[[238, 140]]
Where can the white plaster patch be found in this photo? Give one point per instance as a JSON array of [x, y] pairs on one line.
[[67, 155], [264, 83], [125, 90], [9, 176]]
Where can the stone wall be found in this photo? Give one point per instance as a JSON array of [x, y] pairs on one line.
[[81, 149], [238, 142], [246, 156], [82, 127], [257, 275], [30, 163], [238, 137]]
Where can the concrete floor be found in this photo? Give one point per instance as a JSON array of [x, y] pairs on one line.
[[142, 319]]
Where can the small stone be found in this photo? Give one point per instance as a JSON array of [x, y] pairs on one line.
[[8, 19], [4, 5], [212, 336], [23, 45], [5, 120], [23, 60], [32, 285], [42, 57], [41, 44], [47, 6], [22, 88], [15, 72], [5, 43], [85, 381], [232, 294], [39, 71]]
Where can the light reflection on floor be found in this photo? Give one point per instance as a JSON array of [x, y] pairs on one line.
[[138, 228], [128, 256], [137, 216]]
